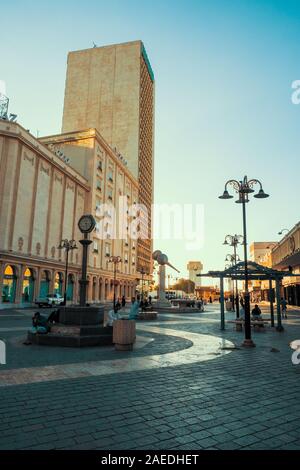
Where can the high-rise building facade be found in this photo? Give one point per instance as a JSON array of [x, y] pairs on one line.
[[111, 89]]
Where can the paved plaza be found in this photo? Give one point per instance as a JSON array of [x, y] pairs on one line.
[[187, 385]]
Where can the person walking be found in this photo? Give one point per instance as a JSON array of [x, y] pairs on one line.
[[118, 304], [242, 309], [283, 304], [123, 301]]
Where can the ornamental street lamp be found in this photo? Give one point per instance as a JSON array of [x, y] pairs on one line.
[[243, 189], [283, 230], [234, 240], [67, 245], [115, 260], [233, 259]]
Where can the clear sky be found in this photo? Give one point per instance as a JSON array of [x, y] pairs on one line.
[[223, 70]]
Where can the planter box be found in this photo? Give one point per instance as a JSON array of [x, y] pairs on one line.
[[124, 334]]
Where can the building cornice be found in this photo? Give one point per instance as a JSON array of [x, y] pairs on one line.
[[15, 131], [86, 134]]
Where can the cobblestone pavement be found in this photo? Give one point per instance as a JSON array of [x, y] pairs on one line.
[[195, 395]]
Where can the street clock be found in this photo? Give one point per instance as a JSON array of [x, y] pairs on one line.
[[86, 223]]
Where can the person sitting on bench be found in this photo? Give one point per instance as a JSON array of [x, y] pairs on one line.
[[256, 313]]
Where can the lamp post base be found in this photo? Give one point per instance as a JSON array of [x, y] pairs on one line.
[[248, 343]]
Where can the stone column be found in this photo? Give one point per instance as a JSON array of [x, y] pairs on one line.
[[75, 289], [96, 299], [52, 282], [101, 290], [90, 289], [1, 279], [37, 282], [19, 284], [162, 301], [162, 283]]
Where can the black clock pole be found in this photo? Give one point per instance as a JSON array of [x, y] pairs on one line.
[[83, 281]]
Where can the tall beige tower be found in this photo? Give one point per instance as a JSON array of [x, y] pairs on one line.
[[194, 268], [111, 89]]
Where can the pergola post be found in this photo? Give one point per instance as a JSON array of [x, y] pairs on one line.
[[222, 303], [279, 324], [271, 302]]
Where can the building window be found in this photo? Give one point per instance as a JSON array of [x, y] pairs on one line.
[[99, 165], [28, 286], [58, 283], [110, 194], [98, 205], [9, 285], [98, 185], [110, 176], [107, 249], [97, 227], [95, 246]]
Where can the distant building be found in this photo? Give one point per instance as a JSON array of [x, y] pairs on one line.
[[259, 250], [208, 292], [285, 256], [260, 253], [194, 268]]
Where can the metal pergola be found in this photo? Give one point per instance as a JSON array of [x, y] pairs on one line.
[[256, 272]]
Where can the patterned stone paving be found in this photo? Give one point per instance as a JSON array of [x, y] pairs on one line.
[[178, 390]]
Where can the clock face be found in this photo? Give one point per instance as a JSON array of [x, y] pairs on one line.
[[86, 223]]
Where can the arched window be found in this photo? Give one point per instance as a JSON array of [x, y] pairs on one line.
[[58, 283], [9, 284], [70, 286], [28, 286], [45, 284]]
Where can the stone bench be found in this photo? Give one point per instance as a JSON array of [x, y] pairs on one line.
[[147, 315], [258, 325]]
